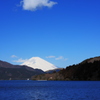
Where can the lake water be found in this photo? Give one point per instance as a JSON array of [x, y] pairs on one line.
[[49, 90]]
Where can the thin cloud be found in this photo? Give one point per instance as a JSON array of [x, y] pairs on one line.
[[20, 60], [50, 57], [59, 58], [13, 56], [33, 5]]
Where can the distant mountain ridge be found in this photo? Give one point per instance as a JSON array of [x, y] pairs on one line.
[[91, 60], [7, 65], [10, 71], [54, 70], [88, 69]]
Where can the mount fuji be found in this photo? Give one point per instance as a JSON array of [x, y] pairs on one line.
[[39, 63]]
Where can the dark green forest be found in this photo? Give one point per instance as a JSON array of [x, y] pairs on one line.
[[82, 71]]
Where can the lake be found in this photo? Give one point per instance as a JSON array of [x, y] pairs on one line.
[[49, 90]]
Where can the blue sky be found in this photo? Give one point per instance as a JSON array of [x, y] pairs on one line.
[[63, 32]]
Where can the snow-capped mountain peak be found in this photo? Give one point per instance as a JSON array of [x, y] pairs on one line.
[[39, 63]]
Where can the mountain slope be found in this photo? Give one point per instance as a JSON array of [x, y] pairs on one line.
[[91, 60], [9, 71], [37, 62], [88, 69]]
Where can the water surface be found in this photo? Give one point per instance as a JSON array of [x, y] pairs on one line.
[[49, 90]]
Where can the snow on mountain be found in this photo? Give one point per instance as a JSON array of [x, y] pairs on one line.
[[39, 63]]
